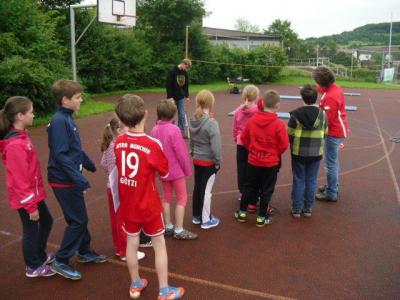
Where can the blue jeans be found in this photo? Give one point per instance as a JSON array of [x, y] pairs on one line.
[[332, 166], [180, 104], [304, 183]]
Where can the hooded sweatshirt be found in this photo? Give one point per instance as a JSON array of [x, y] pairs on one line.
[[205, 140], [266, 138], [242, 115], [307, 129], [24, 179], [174, 148]]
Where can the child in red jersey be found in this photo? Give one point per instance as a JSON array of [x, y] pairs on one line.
[[138, 158]]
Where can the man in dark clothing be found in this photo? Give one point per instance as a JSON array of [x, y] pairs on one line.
[[178, 89]]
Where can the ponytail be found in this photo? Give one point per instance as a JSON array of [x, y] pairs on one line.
[[12, 107], [109, 133], [249, 94], [204, 100]]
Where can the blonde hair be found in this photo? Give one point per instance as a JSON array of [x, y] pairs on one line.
[[249, 94], [109, 133], [187, 62], [204, 100]]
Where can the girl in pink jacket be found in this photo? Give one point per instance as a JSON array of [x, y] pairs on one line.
[[242, 114], [179, 168], [25, 188]]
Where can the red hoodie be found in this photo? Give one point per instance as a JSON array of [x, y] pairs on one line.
[[332, 102], [266, 138], [24, 179]]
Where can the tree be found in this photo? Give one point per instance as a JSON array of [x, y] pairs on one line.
[[245, 26], [289, 37], [54, 4]]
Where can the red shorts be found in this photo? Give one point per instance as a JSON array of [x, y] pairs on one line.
[[154, 228]]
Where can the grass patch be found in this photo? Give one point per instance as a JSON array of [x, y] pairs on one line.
[[300, 80], [194, 88], [88, 107]]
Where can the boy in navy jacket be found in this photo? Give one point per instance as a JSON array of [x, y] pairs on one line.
[[66, 162]]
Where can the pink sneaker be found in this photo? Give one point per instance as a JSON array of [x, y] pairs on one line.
[[42, 271]]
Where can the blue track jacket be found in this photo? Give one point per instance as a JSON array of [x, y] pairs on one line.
[[66, 154]]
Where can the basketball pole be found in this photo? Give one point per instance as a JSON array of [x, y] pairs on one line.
[[187, 42], [75, 42]]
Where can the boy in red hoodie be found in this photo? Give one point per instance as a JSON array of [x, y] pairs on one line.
[[266, 139]]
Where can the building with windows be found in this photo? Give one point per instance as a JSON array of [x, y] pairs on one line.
[[240, 39]]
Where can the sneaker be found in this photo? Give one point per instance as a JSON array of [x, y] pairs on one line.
[[92, 257], [251, 208], [146, 244], [50, 258], [42, 271], [307, 212], [213, 222], [171, 293], [271, 210], [296, 213], [240, 216], [196, 220], [262, 221], [185, 235], [325, 197], [137, 288], [65, 270], [169, 231], [321, 189]]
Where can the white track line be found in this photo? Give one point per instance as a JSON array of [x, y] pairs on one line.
[[392, 174]]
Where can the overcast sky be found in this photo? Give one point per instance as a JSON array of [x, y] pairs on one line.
[[309, 18]]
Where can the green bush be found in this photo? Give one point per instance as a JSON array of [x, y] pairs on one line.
[[365, 75], [21, 76]]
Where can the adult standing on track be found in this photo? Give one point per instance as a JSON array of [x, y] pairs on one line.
[[178, 89], [333, 103]]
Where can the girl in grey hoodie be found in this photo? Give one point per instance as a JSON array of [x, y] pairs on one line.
[[205, 148]]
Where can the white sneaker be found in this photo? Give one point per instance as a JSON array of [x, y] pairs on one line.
[[140, 255]]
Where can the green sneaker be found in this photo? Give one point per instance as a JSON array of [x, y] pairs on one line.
[[262, 221], [240, 216]]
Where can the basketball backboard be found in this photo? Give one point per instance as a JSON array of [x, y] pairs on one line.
[[117, 12]]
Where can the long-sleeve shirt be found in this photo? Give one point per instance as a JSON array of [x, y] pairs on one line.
[[177, 84]]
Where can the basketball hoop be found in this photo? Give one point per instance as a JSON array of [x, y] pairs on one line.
[[117, 12]]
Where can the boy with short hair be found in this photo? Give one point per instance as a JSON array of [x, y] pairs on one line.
[[66, 162], [333, 103], [138, 158], [307, 129], [266, 138]]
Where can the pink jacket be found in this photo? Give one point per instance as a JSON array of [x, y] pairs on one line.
[[240, 120], [174, 148], [24, 179], [108, 160]]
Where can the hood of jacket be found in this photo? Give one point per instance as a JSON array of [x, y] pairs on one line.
[[197, 124], [264, 119], [307, 116], [10, 136]]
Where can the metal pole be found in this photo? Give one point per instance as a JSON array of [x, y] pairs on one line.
[[187, 43], [317, 55], [73, 42], [351, 69], [390, 40], [73, 53]]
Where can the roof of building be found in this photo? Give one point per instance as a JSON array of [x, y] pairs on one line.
[[235, 34]]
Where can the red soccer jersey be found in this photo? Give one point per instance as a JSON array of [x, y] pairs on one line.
[[138, 158]]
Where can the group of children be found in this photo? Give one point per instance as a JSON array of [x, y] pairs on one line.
[[132, 159]]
